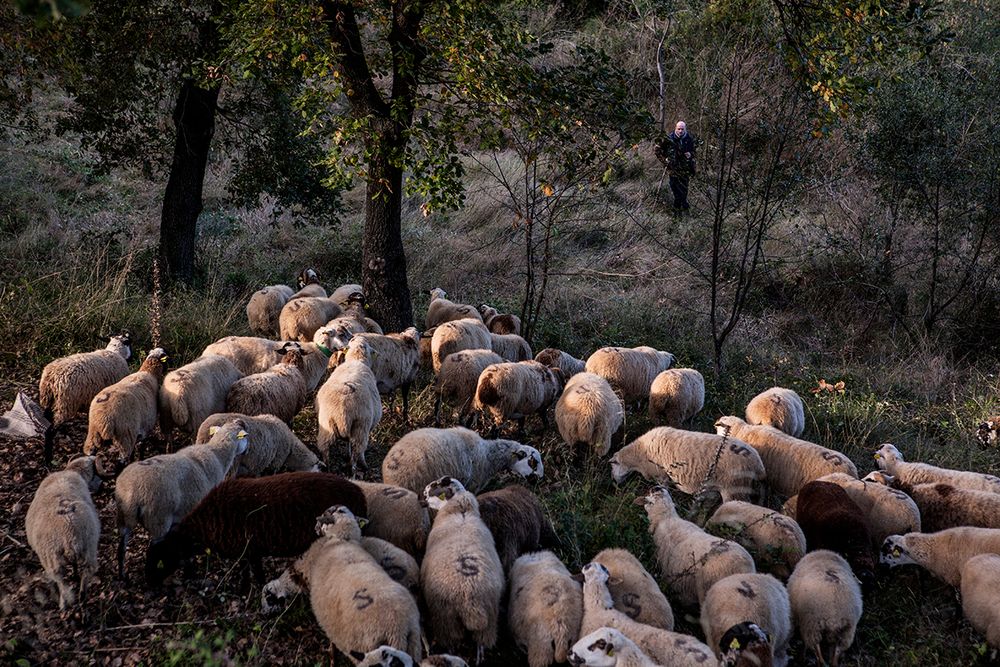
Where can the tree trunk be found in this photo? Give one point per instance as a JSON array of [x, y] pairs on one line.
[[383, 268], [194, 118]]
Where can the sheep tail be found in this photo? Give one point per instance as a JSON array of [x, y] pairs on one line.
[[488, 394], [562, 639]]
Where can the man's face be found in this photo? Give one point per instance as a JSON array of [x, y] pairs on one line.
[[681, 127]]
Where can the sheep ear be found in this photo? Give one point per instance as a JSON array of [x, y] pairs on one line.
[[578, 577], [362, 522], [641, 500]]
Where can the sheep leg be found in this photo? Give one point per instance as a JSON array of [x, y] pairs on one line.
[[50, 441], [122, 543], [520, 428], [437, 411], [545, 420], [405, 390]]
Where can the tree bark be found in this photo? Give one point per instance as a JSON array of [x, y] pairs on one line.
[[194, 119]]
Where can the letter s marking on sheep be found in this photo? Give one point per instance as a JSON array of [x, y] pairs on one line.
[[391, 464], [550, 595], [393, 492], [631, 603], [103, 398], [467, 566], [831, 575], [739, 450], [362, 600], [746, 591], [66, 506], [833, 458]]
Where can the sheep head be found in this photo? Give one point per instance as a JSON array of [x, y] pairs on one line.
[[745, 639], [440, 491], [307, 277], [895, 552], [527, 462], [888, 456], [383, 656], [723, 425], [339, 522], [598, 649]]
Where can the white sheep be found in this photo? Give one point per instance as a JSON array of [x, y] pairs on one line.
[[308, 284], [394, 359], [664, 646], [567, 363], [63, 528], [826, 604], [634, 591], [755, 598], [344, 293], [456, 380], [980, 592], [275, 447], [255, 355], [193, 392], [442, 310], [280, 390], [943, 553], [775, 540], [461, 575], [510, 347], [500, 323], [396, 515], [545, 609], [126, 412], [457, 335], [386, 656], [607, 647], [158, 492], [69, 384], [944, 506], [589, 412], [910, 474], [630, 371], [676, 396], [264, 308], [790, 463], [690, 559], [348, 407], [517, 390], [398, 564], [778, 407], [302, 316], [423, 455], [693, 462]]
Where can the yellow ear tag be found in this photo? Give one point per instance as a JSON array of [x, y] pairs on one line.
[[896, 552], [735, 644], [241, 434], [442, 496], [213, 430], [164, 358], [611, 651], [877, 456], [362, 523]]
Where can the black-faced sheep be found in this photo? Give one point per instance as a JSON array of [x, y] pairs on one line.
[[308, 284], [252, 518], [63, 528], [778, 407], [546, 607], [831, 520], [943, 553], [676, 396], [692, 461], [280, 391], [426, 454], [826, 604], [588, 413], [630, 371], [517, 521], [125, 413], [461, 574]]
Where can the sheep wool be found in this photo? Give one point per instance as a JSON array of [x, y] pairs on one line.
[[676, 396], [500, 323], [774, 540], [790, 462], [423, 455], [664, 646], [461, 575], [357, 604], [348, 407], [302, 316], [589, 412], [887, 510], [193, 392], [910, 474], [250, 518], [630, 371], [457, 379], [256, 355], [442, 310], [545, 609], [517, 390], [692, 461], [158, 492], [517, 522], [943, 553], [690, 559], [125, 413], [510, 347], [826, 604], [344, 293], [607, 647], [275, 447], [63, 528], [778, 407], [396, 515], [634, 591], [944, 506], [568, 364], [264, 308], [831, 520], [393, 358], [69, 384], [980, 592], [399, 565], [457, 335], [755, 598], [280, 391]]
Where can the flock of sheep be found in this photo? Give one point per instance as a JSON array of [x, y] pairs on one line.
[[420, 560]]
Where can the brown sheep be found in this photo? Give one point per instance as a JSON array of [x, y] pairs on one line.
[[831, 520]]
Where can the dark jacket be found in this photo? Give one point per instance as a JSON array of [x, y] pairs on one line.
[[671, 152]]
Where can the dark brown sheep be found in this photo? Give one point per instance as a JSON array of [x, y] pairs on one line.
[[517, 521], [254, 517], [943, 506], [831, 520]]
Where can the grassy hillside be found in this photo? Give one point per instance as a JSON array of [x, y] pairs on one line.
[[76, 252]]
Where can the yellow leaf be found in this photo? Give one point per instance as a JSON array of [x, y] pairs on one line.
[[547, 190]]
